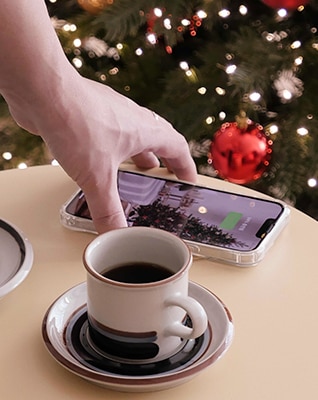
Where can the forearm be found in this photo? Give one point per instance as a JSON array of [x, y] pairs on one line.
[[33, 69]]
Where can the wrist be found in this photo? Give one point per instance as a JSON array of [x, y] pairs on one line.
[[33, 100]]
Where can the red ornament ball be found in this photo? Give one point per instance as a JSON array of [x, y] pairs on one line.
[[288, 4], [240, 154]]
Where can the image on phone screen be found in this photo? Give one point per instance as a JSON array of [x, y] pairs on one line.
[[194, 213]]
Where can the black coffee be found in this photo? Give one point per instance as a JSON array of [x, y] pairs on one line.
[[138, 272]]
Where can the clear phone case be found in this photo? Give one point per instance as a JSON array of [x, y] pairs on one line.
[[237, 257]]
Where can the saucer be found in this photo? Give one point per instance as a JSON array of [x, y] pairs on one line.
[[64, 323], [16, 257]]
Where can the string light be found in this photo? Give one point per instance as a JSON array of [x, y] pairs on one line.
[[224, 13], [78, 63], [312, 182], [296, 44], [243, 10], [273, 129], [230, 69], [302, 131], [69, 27], [202, 90], [184, 65], [286, 94], [158, 12], [167, 23], [152, 38], [220, 91], [113, 71], [222, 115], [185, 22], [282, 13], [22, 165], [77, 42], [202, 14], [255, 96], [7, 155], [298, 60]]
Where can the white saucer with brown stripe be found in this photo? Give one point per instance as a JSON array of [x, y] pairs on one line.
[[64, 327]]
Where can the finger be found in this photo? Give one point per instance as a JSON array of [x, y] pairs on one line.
[[146, 160], [105, 207], [180, 163], [184, 167], [172, 148]]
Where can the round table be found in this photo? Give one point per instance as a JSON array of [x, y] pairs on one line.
[[274, 354]]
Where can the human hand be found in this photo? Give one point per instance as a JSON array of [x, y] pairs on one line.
[[91, 129]]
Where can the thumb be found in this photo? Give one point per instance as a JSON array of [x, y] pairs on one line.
[[105, 207]]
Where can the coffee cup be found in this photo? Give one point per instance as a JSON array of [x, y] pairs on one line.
[[138, 306]]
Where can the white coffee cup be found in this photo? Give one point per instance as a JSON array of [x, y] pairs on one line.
[[145, 321]]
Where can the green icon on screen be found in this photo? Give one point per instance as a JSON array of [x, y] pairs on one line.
[[231, 220]]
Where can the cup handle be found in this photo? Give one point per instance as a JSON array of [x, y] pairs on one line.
[[195, 311]]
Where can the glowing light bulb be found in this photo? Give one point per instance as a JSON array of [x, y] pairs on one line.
[[202, 14], [270, 37], [69, 27], [312, 182], [167, 23], [158, 12], [224, 13], [77, 42], [139, 52], [152, 38], [298, 60], [273, 129], [243, 10], [202, 90], [185, 22], [77, 62], [209, 120], [286, 94], [22, 165], [222, 115], [119, 46], [230, 69], [7, 155], [184, 65], [296, 44], [113, 71], [302, 131], [282, 13], [255, 96], [220, 91]]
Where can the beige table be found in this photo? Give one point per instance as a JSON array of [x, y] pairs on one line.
[[274, 354]]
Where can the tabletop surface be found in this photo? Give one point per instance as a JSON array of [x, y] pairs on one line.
[[274, 354]]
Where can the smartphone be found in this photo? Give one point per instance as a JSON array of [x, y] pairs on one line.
[[218, 225]]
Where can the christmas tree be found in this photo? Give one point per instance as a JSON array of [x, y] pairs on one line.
[[188, 227], [200, 64]]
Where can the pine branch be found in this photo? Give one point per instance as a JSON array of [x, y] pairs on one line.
[[123, 18]]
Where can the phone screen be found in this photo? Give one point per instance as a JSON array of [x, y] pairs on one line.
[[194, 213]]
